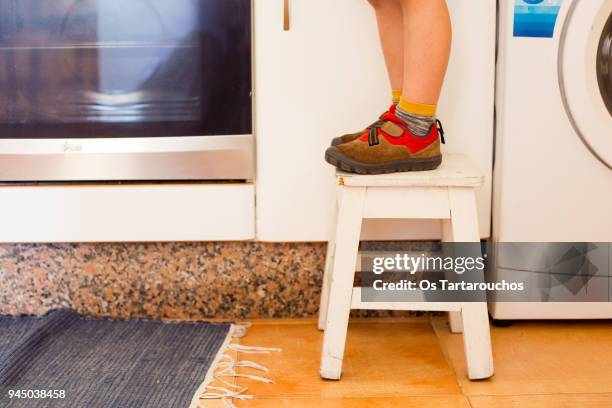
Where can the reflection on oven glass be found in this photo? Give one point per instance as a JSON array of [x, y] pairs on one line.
[[127, 62]]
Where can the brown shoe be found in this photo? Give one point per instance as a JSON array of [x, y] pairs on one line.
[[352, 136], [389, 147]]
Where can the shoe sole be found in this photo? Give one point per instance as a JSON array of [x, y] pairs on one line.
[[336, 158]]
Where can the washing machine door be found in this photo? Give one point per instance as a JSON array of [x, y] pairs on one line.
[[585, 74]]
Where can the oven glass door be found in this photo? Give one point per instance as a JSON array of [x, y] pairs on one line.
[[116, 68]]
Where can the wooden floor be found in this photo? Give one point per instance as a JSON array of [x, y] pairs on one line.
[[418, 363]]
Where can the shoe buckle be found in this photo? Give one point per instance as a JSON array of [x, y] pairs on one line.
[[440, 131], [373, 136]]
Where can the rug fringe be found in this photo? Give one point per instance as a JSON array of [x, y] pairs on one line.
[[224, 366], [252, 349]]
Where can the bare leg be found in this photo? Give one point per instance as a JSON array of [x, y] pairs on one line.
[[427, 43], [391, 29]]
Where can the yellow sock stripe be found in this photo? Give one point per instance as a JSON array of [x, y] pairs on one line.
[[396, 94], [417, 108]]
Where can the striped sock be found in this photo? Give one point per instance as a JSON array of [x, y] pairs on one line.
[[396, 94], [418, 117]]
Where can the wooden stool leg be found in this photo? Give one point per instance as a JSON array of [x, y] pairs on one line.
[[329, 260], [455, 322], [329, 263], [348, 229], [475, 318], [454, 318], [477, 340]]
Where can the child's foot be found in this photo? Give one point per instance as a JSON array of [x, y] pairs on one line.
[[352, 136], [388, 147]]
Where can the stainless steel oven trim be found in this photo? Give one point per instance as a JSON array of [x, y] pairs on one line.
[[212, 157], [226, 157]]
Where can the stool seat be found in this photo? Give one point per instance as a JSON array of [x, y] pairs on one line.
[[456, 170], [446, 194]]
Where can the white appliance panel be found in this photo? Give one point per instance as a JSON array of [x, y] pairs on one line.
[[325, 77]]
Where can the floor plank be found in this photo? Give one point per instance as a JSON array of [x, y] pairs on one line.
[[382, 359], [572, 357], [410, 363], [544, 401], [368, 402]]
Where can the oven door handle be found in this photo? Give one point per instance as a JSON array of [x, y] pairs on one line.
[[287, 20]]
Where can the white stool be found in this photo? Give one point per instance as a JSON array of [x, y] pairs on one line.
[[446, 194]]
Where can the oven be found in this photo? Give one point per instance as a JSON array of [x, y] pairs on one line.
[[95, 90]]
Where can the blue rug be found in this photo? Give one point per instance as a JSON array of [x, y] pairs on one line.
[[103, 363]]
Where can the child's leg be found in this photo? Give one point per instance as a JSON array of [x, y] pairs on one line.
[[391, 29], [408, 136], [427, 43]]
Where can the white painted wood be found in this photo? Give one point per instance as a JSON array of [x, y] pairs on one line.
[[464, 218], [347, 244], [474, 315], [324, 302], [356, 303], [327, 273], [455, 322], [416, 203], [119, 213], [446, 228], [379, 229], [456, 170], [477, 340], [361, 200], [454, 318], [288, 71]]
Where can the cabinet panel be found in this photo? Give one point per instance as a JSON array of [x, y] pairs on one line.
[[127, 213], [326, 76]]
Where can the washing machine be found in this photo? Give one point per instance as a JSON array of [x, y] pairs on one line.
[[552, 201]]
